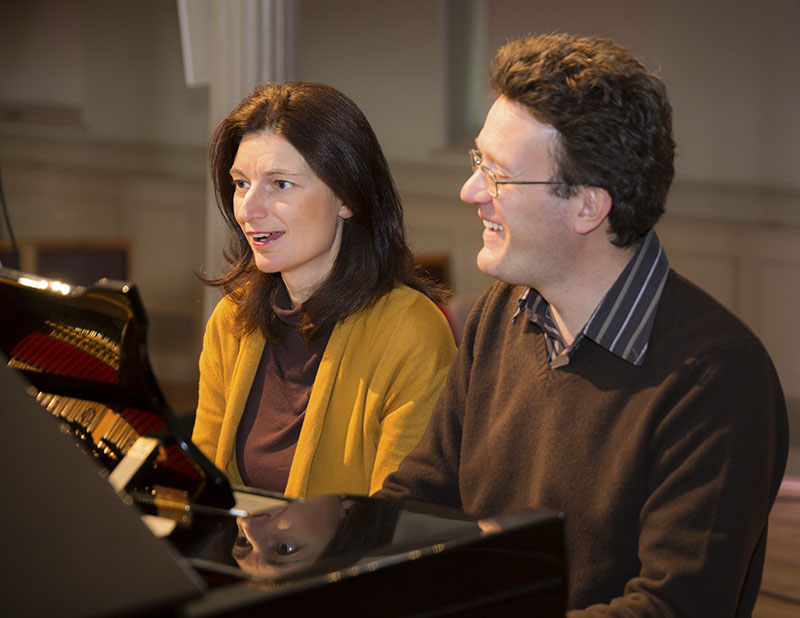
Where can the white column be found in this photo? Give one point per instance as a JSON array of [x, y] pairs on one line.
[[252, 41]]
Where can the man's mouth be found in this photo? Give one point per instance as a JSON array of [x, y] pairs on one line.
[[491, 225]]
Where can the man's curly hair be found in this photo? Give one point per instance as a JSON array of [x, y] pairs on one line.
[[613, 118]]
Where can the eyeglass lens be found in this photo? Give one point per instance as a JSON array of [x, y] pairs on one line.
[[491, 184]]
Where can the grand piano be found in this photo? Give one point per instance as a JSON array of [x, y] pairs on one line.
[[110, 510]]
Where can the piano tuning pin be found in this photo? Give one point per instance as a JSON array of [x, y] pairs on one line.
[[95, 420], [50, 401], [66, 409]]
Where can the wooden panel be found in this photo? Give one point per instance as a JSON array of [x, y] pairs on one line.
[[780, 586], [717, 274], [777, 307]]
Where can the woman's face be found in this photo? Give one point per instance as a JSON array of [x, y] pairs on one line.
[[291, 219], [287, 539]]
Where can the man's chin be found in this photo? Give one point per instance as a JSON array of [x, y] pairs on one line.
[[488, 264]]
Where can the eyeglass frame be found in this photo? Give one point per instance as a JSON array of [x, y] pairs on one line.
[[491, 187]]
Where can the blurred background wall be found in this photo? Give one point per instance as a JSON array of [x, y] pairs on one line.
[[103, 128]]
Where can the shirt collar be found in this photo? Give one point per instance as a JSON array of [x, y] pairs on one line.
[[623, 320]]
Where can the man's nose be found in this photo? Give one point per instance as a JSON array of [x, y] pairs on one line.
[[473, 191]]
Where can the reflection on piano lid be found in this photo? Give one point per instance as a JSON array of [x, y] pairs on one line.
[[359, 556], [83, 353]]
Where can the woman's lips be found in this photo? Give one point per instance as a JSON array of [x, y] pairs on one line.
[[265, 238]]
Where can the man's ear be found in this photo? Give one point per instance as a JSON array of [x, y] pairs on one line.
[[594, 209]]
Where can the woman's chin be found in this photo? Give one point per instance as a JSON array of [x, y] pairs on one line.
[[267, 267]]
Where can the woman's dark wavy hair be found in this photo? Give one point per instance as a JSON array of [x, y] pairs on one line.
[[338, 144], [613, 118]]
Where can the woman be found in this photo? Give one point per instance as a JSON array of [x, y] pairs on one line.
[[322, 363], [322, 534]]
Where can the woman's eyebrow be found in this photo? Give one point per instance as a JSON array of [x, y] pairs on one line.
[[273, 172]]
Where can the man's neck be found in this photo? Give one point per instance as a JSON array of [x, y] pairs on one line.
[[573, 301]]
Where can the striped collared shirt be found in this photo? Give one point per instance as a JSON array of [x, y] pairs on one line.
[[622, 322]]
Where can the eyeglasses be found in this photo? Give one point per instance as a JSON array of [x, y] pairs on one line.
[[492, 182]]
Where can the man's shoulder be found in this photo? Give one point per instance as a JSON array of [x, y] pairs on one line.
[[688, 313]]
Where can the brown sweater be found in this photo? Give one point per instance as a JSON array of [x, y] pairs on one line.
[[666, 472]]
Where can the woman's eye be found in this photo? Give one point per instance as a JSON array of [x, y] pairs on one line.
[[285, 549], [241, 541], [283, 184], [241, 185]]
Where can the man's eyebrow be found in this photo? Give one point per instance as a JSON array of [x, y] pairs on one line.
[[483, 154], [497, 166]]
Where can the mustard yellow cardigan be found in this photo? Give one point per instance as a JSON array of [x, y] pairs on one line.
[[375, 388]]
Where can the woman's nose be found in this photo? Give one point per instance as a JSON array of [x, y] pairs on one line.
[[249, 206], [245, 526]]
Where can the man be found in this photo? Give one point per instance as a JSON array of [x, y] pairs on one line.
[[592, 379]]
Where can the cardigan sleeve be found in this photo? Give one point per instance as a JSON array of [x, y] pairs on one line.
[[430, 473], [422, 349], [211, 399]]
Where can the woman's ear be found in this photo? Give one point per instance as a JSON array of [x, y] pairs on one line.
[[344, 211], [594, 209]]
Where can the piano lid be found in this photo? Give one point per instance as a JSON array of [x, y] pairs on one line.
[[84, 352], [71, 547]]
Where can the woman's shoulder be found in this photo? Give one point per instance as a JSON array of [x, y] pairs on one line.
[[223, 313], [405, 294], [405, 309], [222, 336], [223, 322], [406, 299]]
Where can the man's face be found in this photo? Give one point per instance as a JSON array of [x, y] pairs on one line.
[[526, 236]]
